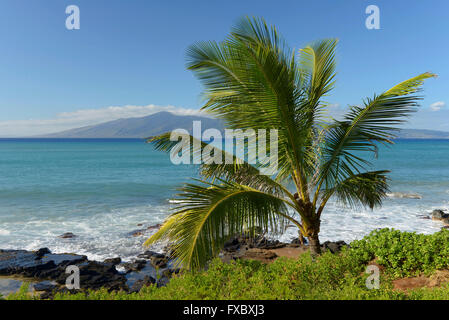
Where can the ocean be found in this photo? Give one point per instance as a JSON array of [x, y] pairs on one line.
[[104, 189]]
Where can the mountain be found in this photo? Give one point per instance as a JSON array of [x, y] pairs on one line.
[[165, 121], [422, 134], [144, 127]]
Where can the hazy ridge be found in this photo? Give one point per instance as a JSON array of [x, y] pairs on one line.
[[165, 121], [143, 127]]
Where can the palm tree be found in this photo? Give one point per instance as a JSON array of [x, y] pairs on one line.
[[253, 80]]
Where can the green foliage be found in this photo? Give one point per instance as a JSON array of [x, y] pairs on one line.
[[330, 276], [327, 277], [404, 253], [441, 293]]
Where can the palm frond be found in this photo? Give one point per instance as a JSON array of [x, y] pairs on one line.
[[364, 189], [209, 214], [251, 82], [232, 168], [365, 126]]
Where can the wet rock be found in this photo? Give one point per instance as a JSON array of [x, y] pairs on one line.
[[113, 261], [141, 232], [136, 265], [93, 275], [299, 241], [232, 245], [139, 284], [36, 265], [67, 235], [43, 265], [439, 215], [22, 262], [137, 233], [45, 286], [333, 247], [159, 261], [42, 252], [264, 243], [148, 254], [96, 275], [154, 227], [260, 242]]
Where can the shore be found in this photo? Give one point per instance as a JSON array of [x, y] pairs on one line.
[[46, 271]]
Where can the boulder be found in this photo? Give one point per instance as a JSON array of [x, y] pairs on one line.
[[333, 247], [159, 261], [96, 275], [113, 261], [232, 245], [42, 252], [139, 284], [45, 286], [39, 264], [154, 227], [67, 235], [298, 241], [137, 233], [259, 242], [135, 265], [141, 232], [439, 215], [148, 254]]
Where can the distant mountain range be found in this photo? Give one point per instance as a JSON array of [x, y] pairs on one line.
[[422, 134], [143, 127], [161, 122]]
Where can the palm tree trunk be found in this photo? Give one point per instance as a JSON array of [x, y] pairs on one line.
[[314, 245]]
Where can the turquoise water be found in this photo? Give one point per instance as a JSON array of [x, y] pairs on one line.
[[101, 190]]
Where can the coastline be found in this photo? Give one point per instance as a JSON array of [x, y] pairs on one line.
[[46, 271]]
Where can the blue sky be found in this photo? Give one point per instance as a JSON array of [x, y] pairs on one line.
[[128, 58]]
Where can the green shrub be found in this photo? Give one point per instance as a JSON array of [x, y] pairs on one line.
[[329, 277], [404, 253]]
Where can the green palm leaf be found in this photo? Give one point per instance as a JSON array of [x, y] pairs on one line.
[[365, 126], [209, 214]]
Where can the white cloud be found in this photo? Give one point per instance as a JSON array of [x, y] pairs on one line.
[[437, 106], [335, 110], [81, 118]]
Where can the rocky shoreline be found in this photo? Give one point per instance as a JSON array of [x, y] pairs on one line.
[[46, 271]]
